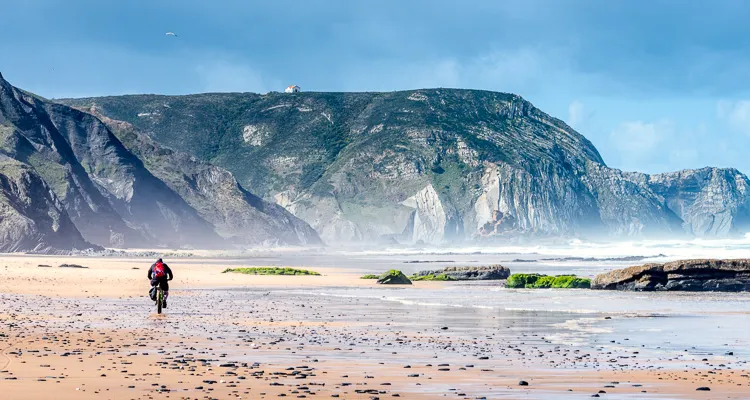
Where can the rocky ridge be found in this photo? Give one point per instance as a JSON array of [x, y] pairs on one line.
[[431, 166], [113, 199], [214, 193], [31, 216]]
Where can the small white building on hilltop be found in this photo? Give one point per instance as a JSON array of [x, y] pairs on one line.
[[292, 89]]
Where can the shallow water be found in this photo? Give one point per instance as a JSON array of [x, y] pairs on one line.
[[663, 325], [701, 323]]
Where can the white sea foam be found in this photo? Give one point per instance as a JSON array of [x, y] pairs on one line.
[[652, 249], [560, 310]]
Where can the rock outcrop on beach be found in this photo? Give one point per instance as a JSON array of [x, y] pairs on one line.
[[431, 166], [471, 273], [394, 277], [111, 194], [684, 275]]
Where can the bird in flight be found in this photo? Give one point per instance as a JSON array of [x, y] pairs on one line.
[[171, 34]]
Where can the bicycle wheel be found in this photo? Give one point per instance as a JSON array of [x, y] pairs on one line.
[[159, 301]]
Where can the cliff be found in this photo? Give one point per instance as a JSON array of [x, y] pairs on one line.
[[430, 165]]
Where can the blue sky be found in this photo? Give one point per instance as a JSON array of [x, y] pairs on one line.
[[656, 85]]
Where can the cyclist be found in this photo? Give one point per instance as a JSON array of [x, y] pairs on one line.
[[160, 275]]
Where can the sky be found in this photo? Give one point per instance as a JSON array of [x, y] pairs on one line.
[[656, 85]]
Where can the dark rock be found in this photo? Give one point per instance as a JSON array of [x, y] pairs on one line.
[[523, 383], [478, 273], [704, 389], [684, 275], [394, 277], [72, 266]]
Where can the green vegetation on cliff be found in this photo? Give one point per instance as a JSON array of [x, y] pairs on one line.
[[538, 281], [351, 164], [429, 165]]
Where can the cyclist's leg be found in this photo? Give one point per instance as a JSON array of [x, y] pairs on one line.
[[165, 287]]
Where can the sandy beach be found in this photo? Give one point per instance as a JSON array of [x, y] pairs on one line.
[[91, 333]]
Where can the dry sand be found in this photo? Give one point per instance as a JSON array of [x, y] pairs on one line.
[[71, 333], [119, 277]]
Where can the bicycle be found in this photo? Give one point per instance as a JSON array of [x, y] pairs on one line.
[[159, 298]]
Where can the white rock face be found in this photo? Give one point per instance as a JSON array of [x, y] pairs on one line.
[[489, 201], [284, 199], [526, 202], [326, 217], [417, 97], [429, 217], [120, 188], [466, 154], [711, 202], [255, 135]]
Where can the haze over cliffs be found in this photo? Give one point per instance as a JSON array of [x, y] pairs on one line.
[[432, 165], [74, 183]]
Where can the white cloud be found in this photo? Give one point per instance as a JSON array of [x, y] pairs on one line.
[[736, 114], [638, 139], [575, 114]]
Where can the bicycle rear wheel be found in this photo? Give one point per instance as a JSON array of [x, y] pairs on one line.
[[159, 301]]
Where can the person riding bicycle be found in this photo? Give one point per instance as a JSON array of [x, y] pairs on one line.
[[160, 275]]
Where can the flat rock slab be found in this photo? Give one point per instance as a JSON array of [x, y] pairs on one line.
[[71, 266], [472, 273], [699, 275]]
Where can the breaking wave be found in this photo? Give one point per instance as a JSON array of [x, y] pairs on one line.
[[655, 250]]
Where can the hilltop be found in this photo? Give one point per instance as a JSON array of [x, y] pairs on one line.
[[430, 165]]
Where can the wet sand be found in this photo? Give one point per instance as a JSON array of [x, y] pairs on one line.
[[70, 333]]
